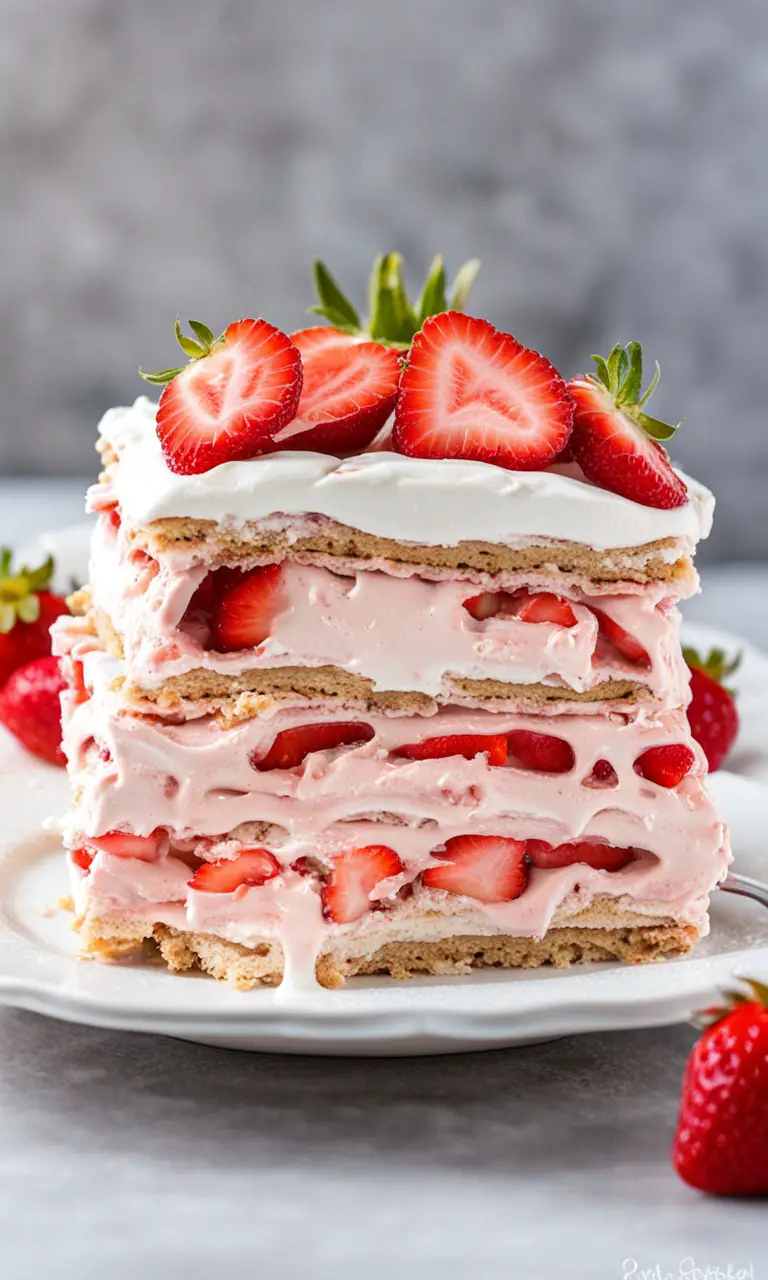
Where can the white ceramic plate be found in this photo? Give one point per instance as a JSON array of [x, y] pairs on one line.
[[39, 969]]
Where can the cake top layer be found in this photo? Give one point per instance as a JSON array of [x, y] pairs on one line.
[[439, 502]]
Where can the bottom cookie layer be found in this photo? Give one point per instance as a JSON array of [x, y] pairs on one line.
[[262, 965]]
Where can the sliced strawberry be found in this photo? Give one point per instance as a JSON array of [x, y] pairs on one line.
[[292, 746], [250, 868], [488, 868], [354, 876], [614, 441], [667, 765], [603, 857], [469, 391], [468, 745], [124, 844], [540, 751], [627, 646], [82, 858], [486, 605], [247, 607], [544, 606], [348, 393], [77, 682], [233, 398]]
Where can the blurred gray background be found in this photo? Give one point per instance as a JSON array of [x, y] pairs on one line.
[[605, 159]]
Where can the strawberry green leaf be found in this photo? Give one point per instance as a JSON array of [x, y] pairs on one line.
[[618, 364], [333, 301], [649, 390], [391, 319], [432, 300], [462, 285], [202, 332], [188, 345], [602, 374], [28, 609], [715, 665], [654, 428], [18, 591], [630, 389], [160, 379]]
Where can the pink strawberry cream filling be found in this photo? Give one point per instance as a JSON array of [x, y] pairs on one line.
[[401, 632], [201, 784]]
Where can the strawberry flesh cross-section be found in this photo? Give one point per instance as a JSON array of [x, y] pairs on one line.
[[461, 744], [488, 868], [469, 391], [251, 868], [355, 874], [291, 746]]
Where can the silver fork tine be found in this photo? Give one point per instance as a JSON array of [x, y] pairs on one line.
[[746, 887]]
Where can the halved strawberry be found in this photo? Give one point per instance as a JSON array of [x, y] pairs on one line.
[[124, 844], [247, 607], [666, 765], [626, 644], [292, 746], [488, 868], [468, 745], [544, 606], [614, 441], [348, 393], [354, 876], [486, 605], [540, 751], [250, 868], [469, 391], [231, 400], [602, 857], [82, 858]]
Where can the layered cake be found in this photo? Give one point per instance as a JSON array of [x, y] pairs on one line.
[[378, 669]]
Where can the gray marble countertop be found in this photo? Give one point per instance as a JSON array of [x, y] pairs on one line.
[[126, 1155]]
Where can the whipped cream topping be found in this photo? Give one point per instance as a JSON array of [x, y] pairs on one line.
[[437, 502]]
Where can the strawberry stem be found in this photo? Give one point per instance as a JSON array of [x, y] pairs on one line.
[[393, 319], [19, 600], [752, 991], [195, 350], [715, 665], [622, 376]]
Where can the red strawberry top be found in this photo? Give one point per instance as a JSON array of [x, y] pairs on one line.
[[615, 442], [457, 387], [27, 609]]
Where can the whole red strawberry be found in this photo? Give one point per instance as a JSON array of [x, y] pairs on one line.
[[614, 441], [27, 609], [29, 707], [712, 713], [721, 1144]]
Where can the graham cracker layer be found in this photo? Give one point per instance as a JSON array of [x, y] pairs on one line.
[[233, 695], [242, 695], [261, 965], [660, 561]]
